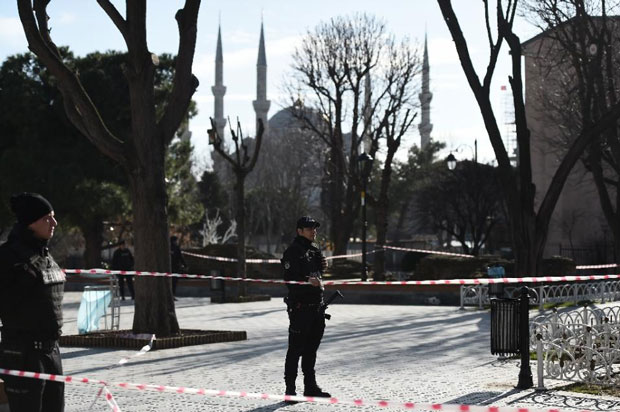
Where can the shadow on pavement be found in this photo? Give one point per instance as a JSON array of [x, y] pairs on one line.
[[269, 408], [482, 398], [564, 400]]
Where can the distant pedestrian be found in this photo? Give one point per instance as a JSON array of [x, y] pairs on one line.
[[303, 261], [31, 292], [123, 260], [177, 262]]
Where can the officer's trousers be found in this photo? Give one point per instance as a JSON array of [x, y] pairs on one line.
[[304, 337], [28, 394]]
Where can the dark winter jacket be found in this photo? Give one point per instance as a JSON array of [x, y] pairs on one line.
[[31, 288], [300, 261], [122, 259]]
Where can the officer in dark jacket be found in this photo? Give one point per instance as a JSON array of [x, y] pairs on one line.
[[303, 261], [31, 291], [122, 259], [177, 262]]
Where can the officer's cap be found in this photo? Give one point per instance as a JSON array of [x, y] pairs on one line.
[[307, 221]]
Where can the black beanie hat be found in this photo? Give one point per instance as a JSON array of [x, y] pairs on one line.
[[30, 207]]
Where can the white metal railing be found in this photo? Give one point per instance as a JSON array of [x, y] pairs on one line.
[[605, 291], [582, 345]]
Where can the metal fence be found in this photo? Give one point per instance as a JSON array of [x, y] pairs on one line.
[[605, 291], [581, 346], [100, 307]]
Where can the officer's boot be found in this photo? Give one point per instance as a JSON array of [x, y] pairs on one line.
[[312, 389], [290, 389]]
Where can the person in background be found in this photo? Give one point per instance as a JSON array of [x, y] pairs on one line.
[[123, 260], [177, 262], [31, 293]]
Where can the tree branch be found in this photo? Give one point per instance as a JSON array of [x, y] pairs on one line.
[[68, 82], [185, 83], [586, 137], [116, 17]]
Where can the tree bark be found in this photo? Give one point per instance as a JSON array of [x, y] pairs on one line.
[[154, 303]]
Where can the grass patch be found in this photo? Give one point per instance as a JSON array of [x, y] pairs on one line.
[[592, 389], [548, 306]]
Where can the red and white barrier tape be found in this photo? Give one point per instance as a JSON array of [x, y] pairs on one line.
[[226, 259], [107, 395], [266, 396], [479, 281], [110, 399], [605, 266], [430, 252], [141, 352]]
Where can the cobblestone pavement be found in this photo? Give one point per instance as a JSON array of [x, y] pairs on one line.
[[404, 353]]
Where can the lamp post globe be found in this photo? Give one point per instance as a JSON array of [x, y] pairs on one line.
[[451, 161]]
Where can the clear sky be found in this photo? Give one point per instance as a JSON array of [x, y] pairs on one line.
[[85, 28]]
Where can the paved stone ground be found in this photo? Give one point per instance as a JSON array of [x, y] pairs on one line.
[[405, 353]]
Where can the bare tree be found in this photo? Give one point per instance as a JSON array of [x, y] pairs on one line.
[[528, 225], [286, 180], [242, 164], [142, 153], [465, 203], [394, 116], [329, 71], [578, 58], [210, 228]]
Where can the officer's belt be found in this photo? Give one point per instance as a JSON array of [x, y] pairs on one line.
[[26, 342], [301, 305]]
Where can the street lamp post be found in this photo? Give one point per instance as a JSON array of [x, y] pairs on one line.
[[365, 160], [451, 160]]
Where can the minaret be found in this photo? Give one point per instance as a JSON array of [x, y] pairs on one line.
[[261, 104], [219, 90], [425, 127]]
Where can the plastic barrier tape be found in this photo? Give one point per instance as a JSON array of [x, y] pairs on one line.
[[267, 396], [479, 281]]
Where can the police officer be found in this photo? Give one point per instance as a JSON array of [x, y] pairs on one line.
[[122, 259], [31, 291], [303, 261]]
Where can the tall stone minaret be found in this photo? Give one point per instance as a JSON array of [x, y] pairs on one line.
[[261, 104], [425, 127], [219, 90]]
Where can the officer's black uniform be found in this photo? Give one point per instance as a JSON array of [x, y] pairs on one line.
[[301, 261], [122, 259], [31, 291]]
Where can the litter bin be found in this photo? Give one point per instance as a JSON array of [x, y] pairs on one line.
[[510, 334], [505, 339], [496, 272]]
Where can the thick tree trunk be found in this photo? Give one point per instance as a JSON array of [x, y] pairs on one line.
[[93, 238], [154, 304], [528, 245]]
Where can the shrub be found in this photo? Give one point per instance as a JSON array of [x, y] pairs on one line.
[[410, 261], [434, 267], [558, 266], [254, 270]]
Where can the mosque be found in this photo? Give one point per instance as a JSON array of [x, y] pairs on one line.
[[287, 146]]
